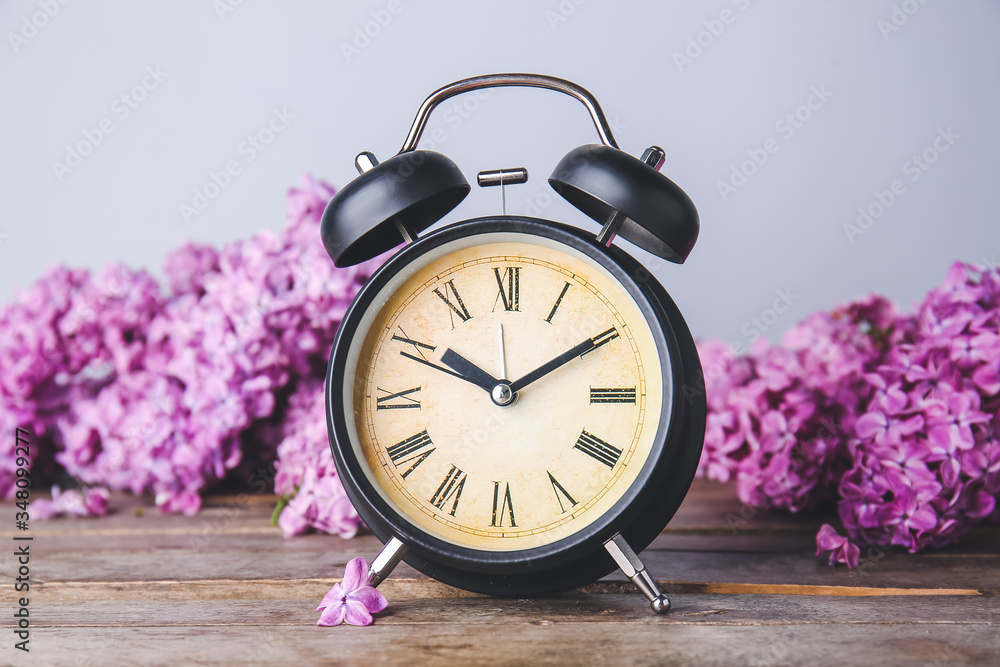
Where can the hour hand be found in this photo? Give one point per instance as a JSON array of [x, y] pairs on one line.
[[468, 370]]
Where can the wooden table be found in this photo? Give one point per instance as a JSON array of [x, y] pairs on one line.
[[224, 587]]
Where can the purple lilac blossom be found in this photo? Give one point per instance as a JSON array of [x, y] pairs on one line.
[[136, 391], [351, 601], [75, 502], [64, 339], [305, 471], [893, 416]]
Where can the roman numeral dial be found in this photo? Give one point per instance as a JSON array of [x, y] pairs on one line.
[[561, 494], [503, 506], [400, 400], [612, 395], [487, 470], [555, 306], [407, 454], [452, 299], [450, 491], [597, 449], [509, 283]]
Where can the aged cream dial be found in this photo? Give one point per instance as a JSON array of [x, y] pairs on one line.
[[506, 394]]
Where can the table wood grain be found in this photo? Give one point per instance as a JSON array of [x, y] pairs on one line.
[[224, 587]]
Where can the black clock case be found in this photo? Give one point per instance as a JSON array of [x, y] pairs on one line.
[[642, 512]]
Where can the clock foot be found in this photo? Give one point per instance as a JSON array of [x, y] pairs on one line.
[[386, 561], [633, 568]]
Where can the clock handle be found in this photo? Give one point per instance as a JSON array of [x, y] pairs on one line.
[[633, 568], [386, 561], [498, 80]]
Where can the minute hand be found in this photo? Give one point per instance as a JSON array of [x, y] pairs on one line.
[[583, 348]]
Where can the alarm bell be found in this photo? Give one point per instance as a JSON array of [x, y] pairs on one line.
[[392, 202], [630, 197]]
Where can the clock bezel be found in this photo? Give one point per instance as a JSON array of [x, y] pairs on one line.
[[640, 513]]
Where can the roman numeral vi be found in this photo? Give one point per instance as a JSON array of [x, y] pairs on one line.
[[502, 505]]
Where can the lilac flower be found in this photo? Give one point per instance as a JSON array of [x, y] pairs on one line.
[[92, 502], [840, 548], [951, 423], [894, 414], [131, 390], [884, 428], [908, 518], [306, 472], [352, 601], [187, 266], [888, 397]]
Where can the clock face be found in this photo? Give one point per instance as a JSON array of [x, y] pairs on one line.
[[506, 391]]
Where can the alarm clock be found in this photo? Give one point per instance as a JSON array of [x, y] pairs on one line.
[[514, 404]]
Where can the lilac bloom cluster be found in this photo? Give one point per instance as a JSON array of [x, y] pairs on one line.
[[891, 416], [926, 451], [133, 389], [779, 417], [306, 473], [66, 338]]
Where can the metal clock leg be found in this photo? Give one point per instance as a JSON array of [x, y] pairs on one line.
[[387, 559], [633, 568]]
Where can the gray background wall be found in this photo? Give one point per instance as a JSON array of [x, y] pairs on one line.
[[893, 77]]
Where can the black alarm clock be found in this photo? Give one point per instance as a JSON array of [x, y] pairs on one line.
[[509, 399]]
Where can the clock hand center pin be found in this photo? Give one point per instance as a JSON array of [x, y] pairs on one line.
[[500, 390]]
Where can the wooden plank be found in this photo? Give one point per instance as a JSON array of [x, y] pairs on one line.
[[224, 587], [267, 558], [984, 541], [709, 506], [537, 642], [578, 607], [231, 551], [280, 589]]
